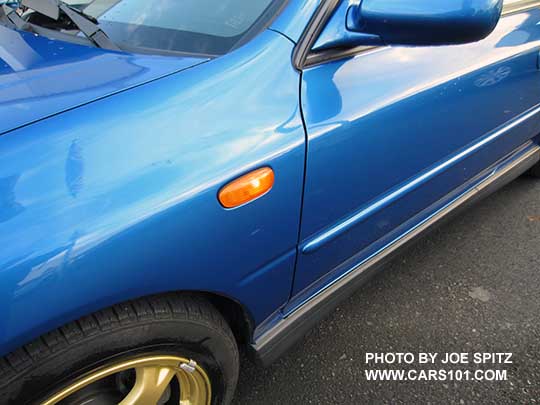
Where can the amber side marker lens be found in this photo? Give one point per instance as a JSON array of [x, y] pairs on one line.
[[247, 188]]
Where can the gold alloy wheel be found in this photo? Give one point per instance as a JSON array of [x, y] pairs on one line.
[[153, 376]]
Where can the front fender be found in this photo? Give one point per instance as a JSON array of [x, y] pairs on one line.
[[117, 199]]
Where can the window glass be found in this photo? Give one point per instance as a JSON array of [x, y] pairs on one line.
[[194, 26]]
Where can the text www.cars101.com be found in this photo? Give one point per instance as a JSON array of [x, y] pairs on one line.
[[436, 375]]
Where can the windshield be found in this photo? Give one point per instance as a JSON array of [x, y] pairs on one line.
[[209, 27]]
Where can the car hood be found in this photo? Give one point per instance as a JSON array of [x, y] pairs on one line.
[[40, 77]]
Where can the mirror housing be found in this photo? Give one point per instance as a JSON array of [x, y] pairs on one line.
[[409, 22], [425, 22]]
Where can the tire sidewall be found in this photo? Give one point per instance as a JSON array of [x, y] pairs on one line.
[[210, 347]]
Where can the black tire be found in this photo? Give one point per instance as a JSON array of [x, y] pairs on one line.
[[171, 324]]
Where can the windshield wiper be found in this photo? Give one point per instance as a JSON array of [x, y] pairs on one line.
[[55, 10]]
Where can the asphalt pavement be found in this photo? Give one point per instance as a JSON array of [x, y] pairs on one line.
[[473, 285]]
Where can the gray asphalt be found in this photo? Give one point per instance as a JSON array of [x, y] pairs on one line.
[[473, 285]]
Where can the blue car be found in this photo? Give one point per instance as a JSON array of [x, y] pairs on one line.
[[180, 178]]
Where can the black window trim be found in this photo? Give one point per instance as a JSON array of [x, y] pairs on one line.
[[304, 58]]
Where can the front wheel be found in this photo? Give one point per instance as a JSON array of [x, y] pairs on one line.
[[164, 350]]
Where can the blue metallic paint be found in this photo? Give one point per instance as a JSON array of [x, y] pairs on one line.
[[390, 132], [40, 77], [423, 179], [115, 198], [380, 22], [284, 331], [420, 22]]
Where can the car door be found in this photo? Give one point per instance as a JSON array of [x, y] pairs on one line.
[[393, 130]]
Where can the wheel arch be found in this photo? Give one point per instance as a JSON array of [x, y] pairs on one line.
[[236, 314]]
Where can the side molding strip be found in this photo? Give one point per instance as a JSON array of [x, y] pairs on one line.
[[342, 227], [276, 341]]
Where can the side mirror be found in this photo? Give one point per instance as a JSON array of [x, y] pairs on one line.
[[410, 22]]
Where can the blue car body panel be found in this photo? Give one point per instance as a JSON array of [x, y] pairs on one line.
[[111, 164], [118, 199], [40, 77], [390, 131]]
